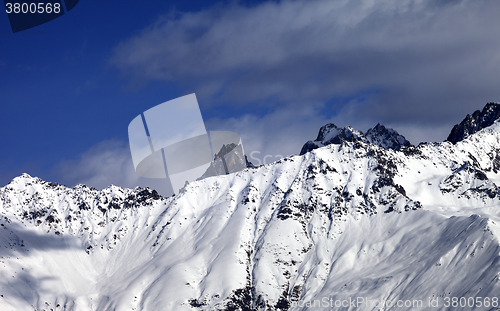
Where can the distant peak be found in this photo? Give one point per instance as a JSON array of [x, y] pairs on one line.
[[23, 180], [379, 135], [324, 130], [23, 177], [474, 123], [386, 138]]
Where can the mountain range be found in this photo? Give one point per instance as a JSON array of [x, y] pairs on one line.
[[379, 135], [355, 222]]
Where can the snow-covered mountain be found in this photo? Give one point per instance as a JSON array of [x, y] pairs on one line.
[[379, 135], [474, 123], [349, 226]]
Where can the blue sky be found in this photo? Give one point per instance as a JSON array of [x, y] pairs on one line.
[[272, 71], [59, 94]]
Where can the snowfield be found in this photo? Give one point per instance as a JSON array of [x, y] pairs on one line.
[[342, 223]]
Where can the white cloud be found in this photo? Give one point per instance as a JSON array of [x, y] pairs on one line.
[[265, 139], [277, 134], [108, 162], [418, 66], [423, 62]]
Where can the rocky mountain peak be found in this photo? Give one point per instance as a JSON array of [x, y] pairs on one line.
[[325, 130], [386, 138], [475, 122]]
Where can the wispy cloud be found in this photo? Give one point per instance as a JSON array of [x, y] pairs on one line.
[[265, 140], [417, 66], [275, 135], [427, 61], [108, 162]]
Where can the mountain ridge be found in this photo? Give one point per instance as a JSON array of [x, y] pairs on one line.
[[473, 123], [342, 221], [379, 135]]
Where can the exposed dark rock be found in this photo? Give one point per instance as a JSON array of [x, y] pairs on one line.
[[379, 135], [308, 146], [240, 299], [386, 138], [475, 122]]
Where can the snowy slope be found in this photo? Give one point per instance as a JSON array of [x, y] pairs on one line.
[[345, 221]]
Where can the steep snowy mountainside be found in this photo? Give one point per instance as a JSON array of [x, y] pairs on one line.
[[343, 221], [471, 169], [474, 123], [379, 135]]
